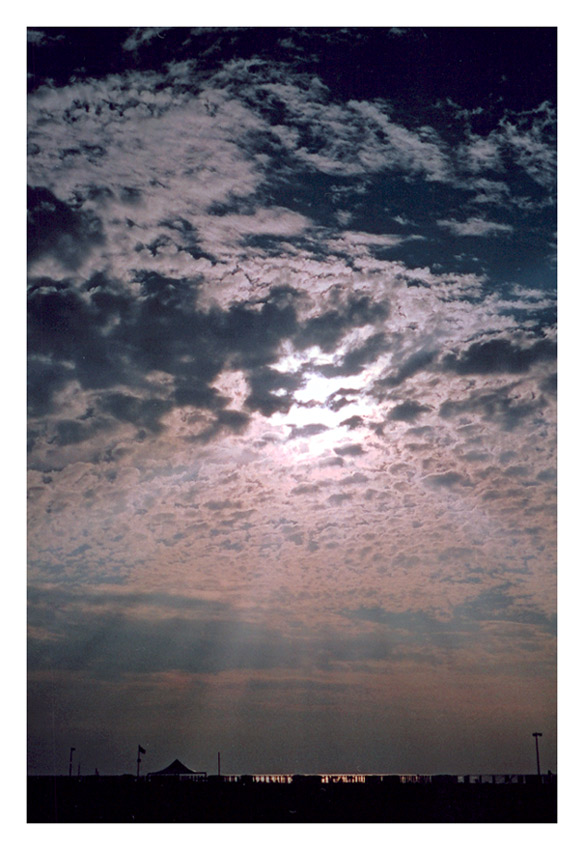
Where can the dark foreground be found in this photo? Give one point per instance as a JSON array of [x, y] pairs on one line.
[[125, 800]]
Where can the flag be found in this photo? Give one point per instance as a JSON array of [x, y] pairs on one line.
[[141, 750]]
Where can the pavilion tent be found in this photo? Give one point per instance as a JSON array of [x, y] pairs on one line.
[[176, 768]]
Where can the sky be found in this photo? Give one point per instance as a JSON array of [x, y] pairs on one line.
[[292, 399]]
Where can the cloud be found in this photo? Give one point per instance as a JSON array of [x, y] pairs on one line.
[[326, 329], [500, 355], [493, 192], [143, 413], [482, 154], [143, 35], [40, 38], [407, 411], [104, 339], [474, 227], [357, 358], [501, 407], [410, 367], [271, 390], [34, 36], [116, 636], [352, 422], [353, 479], [57, 229], [68, 332], [261, 378], [339, 498], [446, 479], [465, 623], [351, 450], [531, 138], [414, 152], [116, 643], [220, 506], [220, 233], [307, 431]]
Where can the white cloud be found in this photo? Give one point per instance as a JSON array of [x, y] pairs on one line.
[[143, 35], [482, 154], [534, 150], [474, 227]]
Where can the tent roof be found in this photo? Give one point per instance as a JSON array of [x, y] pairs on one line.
[[175, 769]]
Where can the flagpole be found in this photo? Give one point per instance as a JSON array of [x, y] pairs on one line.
[[141, 750]]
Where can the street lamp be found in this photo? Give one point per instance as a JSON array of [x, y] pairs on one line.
[[71, 751], [537, 735]]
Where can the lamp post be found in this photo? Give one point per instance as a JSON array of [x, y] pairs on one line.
[[537, 735], [71, 751]]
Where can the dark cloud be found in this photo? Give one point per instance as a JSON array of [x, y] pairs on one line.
[[411, 366], [355, 478], [445, 479], [71, 431], [332, 462], [352, 422], [113, 645], [340, 398], [326, 329], [339, 498], [191, 391], [357, 358], [234, 421], [409, 620], [44, 379], [66, 336], [305, 489], [352, 450], [408, 411], [48, 601], [494, 604], [143, 413], [254, 335], [498, 604], [103, 338], [550, 384], [499, 355], [306, 431], [501, 407], [271, 391], [56, 228], [206, 637]]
